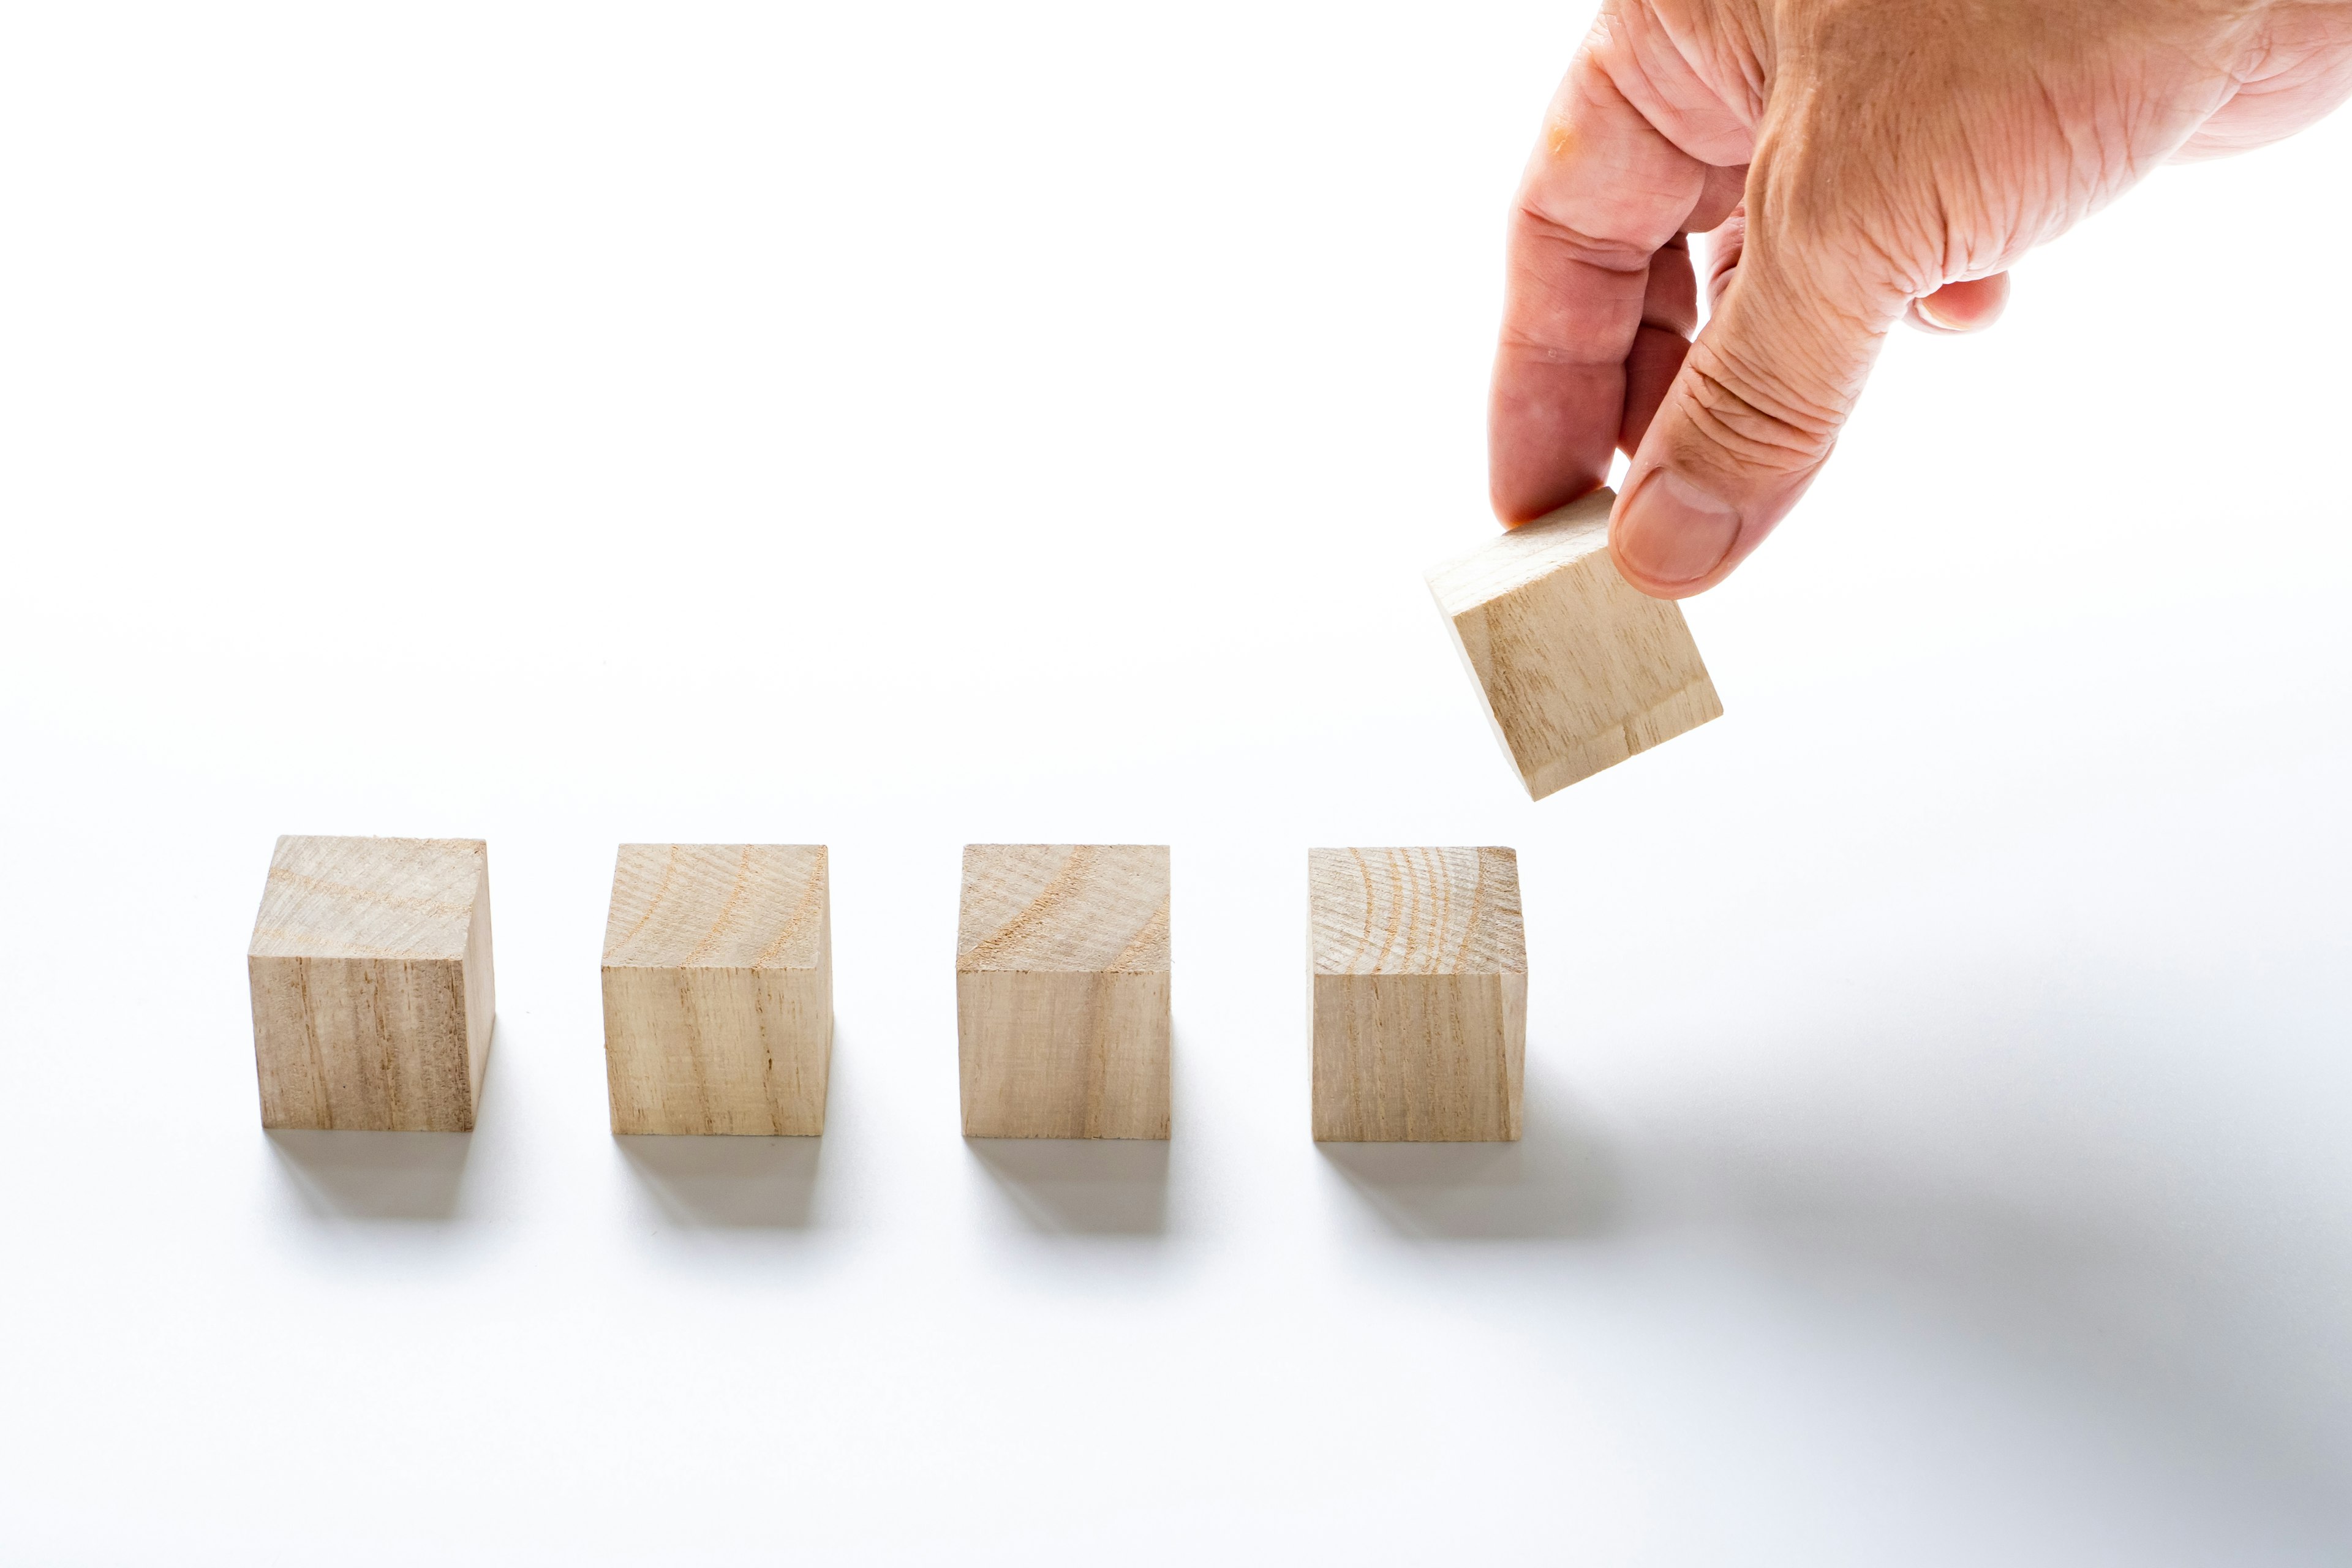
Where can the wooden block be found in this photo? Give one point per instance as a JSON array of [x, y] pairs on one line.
[[719, 989], [1419, 967], [1578, 669], [371, 975], [1062, 989]]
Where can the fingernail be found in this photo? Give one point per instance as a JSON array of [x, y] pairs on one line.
[[1934, 318], [1669, 530]]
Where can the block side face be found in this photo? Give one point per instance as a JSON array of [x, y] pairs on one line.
[[1514, 1053], [398, 899], [1519, 555], [1583, 671], [717, 1051], [1415, 1058], [728, 906], [480, 991], [620, 1065], [287, 1057], [362, 1044], [1063, 1055], [1416, 910], [1468, 631], [1064, 909], [823, 991]]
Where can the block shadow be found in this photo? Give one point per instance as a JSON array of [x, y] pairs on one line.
[[728, 1183], [398, 1176], [402, 1177], [1559, 1181], [1081, 1186]]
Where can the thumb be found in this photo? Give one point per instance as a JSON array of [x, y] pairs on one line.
[[1752, 414]]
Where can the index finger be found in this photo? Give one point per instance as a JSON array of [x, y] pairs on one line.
[[1603, 195]]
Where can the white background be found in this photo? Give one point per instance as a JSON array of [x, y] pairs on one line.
[[895, 426]]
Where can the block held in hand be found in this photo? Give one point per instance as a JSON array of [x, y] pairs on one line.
[[1578, 669]]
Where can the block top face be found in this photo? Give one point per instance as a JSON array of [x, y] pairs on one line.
[[1063, 908], [406, 898], [1518, 556], [1415, 912], [717, 906]]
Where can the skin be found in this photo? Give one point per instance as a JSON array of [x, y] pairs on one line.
[[1856, 163]]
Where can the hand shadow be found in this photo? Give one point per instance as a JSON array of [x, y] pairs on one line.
[[400, 1176], [728, 1182], [1556, 1180], [1081, 1186]]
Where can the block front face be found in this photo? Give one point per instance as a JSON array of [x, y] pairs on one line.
[[1062, 991], [715, 1050], [719, 989], [1063, 1055], [369, 969], [1418, 1058], [1418, 964], [1580, 670]]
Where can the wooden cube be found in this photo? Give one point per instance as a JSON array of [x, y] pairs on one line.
[[371, 974], [719, 989], [1062, 991], [1580, 670], [1419, 968]]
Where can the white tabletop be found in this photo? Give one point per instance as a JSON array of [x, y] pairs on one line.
[[891, 428]]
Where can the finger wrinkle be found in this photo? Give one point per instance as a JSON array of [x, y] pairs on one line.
[[1568, 348], [1756, 411], [1753, 435], [1617, 256]]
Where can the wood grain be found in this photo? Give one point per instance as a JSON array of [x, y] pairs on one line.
[[719, 989], [1062, 991], [370, 969], [1418, 967], [1578, 669]]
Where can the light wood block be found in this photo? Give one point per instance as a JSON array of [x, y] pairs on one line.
[[1061, 1012], [1419, 967], [719, 989], [371, 974], [1580, 670]]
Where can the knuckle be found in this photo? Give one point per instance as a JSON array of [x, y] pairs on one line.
[[1850, 218], [1547, 230]]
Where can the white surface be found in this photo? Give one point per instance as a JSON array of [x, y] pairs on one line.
[[1936, 1076]]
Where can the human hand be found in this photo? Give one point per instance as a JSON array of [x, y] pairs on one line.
[[1857, 161]]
